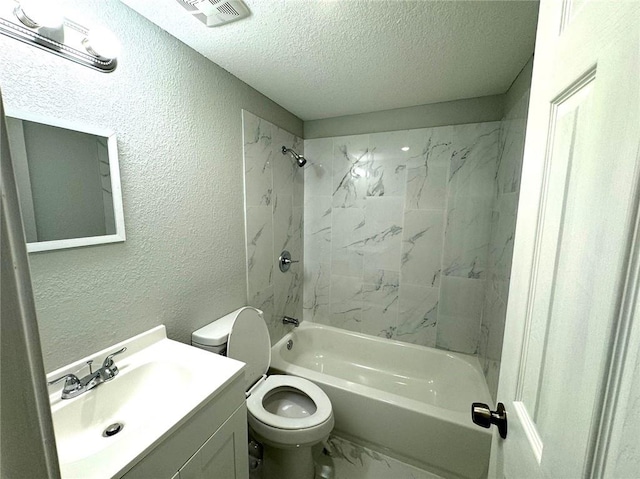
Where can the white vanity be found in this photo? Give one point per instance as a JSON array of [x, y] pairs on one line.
[[173, 411]]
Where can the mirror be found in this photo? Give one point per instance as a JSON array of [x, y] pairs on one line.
[[68, 182]]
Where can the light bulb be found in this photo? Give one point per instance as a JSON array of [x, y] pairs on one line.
[[39, 13], [405, 148], [101, 43]]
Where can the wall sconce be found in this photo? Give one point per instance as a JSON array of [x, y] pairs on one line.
[[39, 23]]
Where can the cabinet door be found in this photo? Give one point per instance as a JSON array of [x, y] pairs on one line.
[[224, 455]]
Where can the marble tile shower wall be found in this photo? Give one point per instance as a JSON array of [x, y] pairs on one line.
[[505, 205], [396, 242], [274, 201]]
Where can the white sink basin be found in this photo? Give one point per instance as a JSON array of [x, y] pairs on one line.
[[160, 385]]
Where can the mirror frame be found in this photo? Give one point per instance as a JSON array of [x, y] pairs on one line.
[[114, 171]]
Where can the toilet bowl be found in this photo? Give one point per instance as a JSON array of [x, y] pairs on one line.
[[287, 414]]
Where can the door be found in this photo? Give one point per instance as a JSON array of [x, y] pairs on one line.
[[25, 416], [576, 220]]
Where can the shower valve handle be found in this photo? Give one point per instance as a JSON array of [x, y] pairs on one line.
[[285, 261]]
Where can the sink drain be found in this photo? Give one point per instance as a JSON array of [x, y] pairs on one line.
[[113, 429]]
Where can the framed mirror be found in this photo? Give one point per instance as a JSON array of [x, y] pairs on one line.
[[68, 181]]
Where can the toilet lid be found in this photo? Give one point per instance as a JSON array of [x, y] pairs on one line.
[[249, 342]]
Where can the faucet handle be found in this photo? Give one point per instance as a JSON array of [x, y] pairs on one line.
[[109, 370], [108, 361], [72, 385], [71, 379]]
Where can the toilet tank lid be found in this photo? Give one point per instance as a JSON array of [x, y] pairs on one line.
[[216, 332]]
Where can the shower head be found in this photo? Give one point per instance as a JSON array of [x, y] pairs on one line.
[[300, 160]]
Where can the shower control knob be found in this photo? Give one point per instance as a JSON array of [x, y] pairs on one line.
[[485, 417], [284, 261]]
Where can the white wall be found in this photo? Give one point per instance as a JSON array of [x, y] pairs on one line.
[[178, 121], [456, 112]]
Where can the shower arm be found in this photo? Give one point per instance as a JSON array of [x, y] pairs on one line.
[[299, 159], [286, 150]]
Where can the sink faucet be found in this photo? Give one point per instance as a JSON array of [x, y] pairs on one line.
[[74, 387], [289, 320]]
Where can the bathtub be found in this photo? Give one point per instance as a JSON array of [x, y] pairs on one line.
[[411, 402]]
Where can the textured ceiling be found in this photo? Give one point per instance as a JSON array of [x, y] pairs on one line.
[[321, 59]]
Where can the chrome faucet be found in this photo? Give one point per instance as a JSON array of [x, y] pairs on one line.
[[289, 320], [74, 387], [109, 370]]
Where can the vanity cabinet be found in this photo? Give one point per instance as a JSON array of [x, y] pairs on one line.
[[212, 444], [224, 455]]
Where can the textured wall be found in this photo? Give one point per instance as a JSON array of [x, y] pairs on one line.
[[274, 200], [178, 121], [503, 227], [396, 242]]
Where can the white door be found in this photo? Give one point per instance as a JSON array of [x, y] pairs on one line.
[[576, 219]]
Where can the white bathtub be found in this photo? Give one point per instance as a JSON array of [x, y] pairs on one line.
[[413, 402]]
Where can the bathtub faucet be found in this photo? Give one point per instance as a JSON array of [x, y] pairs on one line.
[[288, 320]]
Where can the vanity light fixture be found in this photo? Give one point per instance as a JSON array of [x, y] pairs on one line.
[[39, 23], [38, 13], [102, 44]]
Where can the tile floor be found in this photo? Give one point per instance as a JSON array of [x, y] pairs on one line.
[[352, 461]]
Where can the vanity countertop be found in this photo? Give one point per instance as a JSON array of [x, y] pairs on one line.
[[161, 384]]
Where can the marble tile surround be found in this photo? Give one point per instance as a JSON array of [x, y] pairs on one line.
[[397, 242], [274, 198], [503, 223], [415, 246]]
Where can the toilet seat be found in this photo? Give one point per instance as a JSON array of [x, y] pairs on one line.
[[249, 342], [256, 408]]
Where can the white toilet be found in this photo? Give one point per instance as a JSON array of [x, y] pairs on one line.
[[287, 414]]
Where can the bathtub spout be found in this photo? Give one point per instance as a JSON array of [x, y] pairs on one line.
[[289, 320]]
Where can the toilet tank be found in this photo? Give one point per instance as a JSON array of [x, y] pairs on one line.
[[213, 336]]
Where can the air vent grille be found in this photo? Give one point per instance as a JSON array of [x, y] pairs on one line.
[[227, 9], [189, 4], [216, 12]]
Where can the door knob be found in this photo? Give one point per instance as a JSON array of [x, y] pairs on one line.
[[485, 417]]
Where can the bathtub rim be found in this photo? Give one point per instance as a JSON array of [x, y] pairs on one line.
[[281, 366]]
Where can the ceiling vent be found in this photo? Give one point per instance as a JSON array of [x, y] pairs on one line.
[[214, 13]]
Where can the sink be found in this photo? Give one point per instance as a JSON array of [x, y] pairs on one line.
[[160, 385], [80, 423]]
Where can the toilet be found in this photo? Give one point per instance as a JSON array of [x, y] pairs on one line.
[[287, 414]]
